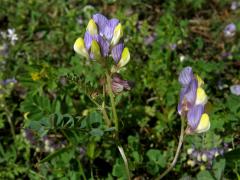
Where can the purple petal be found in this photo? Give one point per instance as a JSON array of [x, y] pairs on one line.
[[186, 75], [191, 92], [117, 52], [8, 81], [104, 45], [109, 29], [194, 116], [230, 30], [182, 94], [235, 89], [117, 88], [101, 21], [118, 82], [88, 40]]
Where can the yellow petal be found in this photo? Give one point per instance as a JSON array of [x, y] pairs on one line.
[[95, 49], [199, 80], [191, 163], [117, 34], [35, 76], [201, 96], [203, 125], [79, 47], [92, 27], [204, 158], [124, 59]]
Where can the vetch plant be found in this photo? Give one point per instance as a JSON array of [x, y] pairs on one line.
[[103, 44], [204, 157], [191, 108]]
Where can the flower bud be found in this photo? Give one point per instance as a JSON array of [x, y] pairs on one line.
[[204, 124], [199, 80], [124, 58], [79, 47], [117, 34], [189, 151], [235, 89], [201, 96], [95, 50], [191, 163], [92, 27], [202, 167], [216, 154], [230, 30], [204, 157]]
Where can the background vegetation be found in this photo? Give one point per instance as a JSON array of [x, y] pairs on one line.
[[51, 129]]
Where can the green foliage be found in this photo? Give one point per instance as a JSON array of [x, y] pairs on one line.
[[59, 95]]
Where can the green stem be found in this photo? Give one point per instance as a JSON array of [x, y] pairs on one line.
[[177, 152], [8, 114], [106, 118], [109, 89], [82, 171], [125, 161], [102, 108]]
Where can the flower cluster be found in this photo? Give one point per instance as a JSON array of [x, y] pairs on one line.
[[192, 101], [103, 38], [205, 158], [11, 35], [48, 143]]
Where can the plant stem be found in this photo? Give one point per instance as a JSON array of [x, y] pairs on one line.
[[177, 152], [8, 114], [107, 120], [125, 161], [115, 119], [82, 171], [109, 89], [102, 108]]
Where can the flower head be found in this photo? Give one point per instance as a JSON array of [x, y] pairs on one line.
[[192, 101], [235, 89], [230, 30], [103, 38]]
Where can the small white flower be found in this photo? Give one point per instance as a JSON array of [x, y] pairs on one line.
[[234, 5], [12, 36]]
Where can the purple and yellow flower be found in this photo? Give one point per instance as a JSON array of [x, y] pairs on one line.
[[205, 156], [192, 101], [103, 38]]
